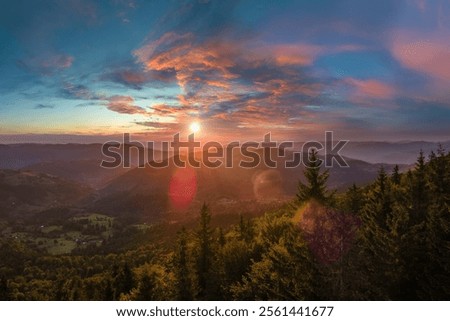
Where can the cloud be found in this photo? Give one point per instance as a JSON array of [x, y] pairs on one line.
[[425, 55], [371, 88], [228, 80], [295, 54], [179, 53], [160, 125], [127, 77], [203, 17], [118, 103], [48, 64], [172, 110], [124, 105], [44, 106], [138, 78], [74, 91]]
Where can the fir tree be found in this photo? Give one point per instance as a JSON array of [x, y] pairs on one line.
[[437, 229], [205, 252], [415, 204], [182, 271], [245, 229], [419, 192], [316, 182], [396, 176], [378, 247], [123, 280], [353, 200], [4, 289]]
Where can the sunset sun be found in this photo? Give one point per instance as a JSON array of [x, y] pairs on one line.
[[194, 127]]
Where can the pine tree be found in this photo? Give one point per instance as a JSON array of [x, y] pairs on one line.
[[396, 176], [221, 240], [153, 283], [235, 258], [108, 291], [204, 255], [123, 280], [285, 271], [353, 200], [419, 192], [4, 289], [316, 182], [245, 229], [413, 199], [182, 271], [437, 229], [378, 247]]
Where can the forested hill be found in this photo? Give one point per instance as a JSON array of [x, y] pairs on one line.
[[388, 240]]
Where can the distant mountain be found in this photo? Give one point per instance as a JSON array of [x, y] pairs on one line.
[[390, 153], [84, 171], [26, 193], [151, 193], [58, 175], [77, 162], [18, 156]]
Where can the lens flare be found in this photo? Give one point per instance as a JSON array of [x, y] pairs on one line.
[[182, 188]]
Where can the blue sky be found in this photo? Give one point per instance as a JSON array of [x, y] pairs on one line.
[[367, 70]]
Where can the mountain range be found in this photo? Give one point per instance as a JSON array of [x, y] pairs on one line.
[[38, 177]]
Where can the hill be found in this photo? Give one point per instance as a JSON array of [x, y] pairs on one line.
[[23, 193], [173, 193]]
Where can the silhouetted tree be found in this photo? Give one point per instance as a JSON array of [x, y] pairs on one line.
[[5, 294], [315, 188], [378, 246], [396, 176], [437, 229], [123, 280], [353, 200], [182, 271], [204, 252]]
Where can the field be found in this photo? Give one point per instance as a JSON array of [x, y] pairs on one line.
[[80, 232]]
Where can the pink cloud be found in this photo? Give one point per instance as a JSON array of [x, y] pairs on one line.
[[371, 89], [234, 79], [430, 57], [294, 54], [179, 53], [131, 77], [235, 83], [124, 105]]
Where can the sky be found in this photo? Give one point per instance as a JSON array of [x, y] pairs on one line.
[[81, 70]]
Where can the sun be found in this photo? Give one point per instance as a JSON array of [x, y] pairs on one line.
[[194, 127]]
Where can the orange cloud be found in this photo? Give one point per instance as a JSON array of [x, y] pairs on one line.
[[133, 77], [230, 81], [371, 89], [179, 53], [124, 105], [165, 110], [295, 54]]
